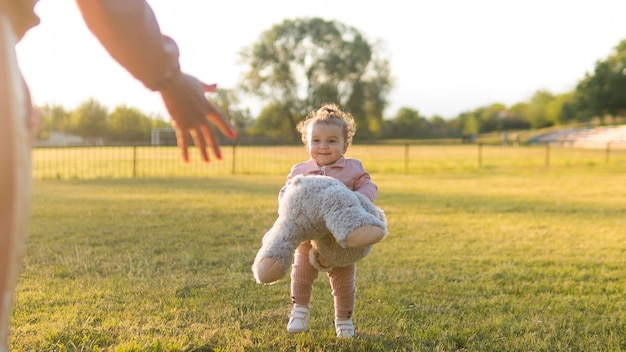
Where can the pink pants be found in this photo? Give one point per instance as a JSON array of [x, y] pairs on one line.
[[342, 282]]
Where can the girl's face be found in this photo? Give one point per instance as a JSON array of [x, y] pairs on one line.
[[325, 143]]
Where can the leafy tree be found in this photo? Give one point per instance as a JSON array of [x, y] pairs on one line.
[[407, 124], [89, 119], [537, 109], [303, 63], [158, 122], [228, 103], [490, 118], [272, 124], [543, 110], [128, 124], [520, 110], [604, 91], [561, 109], [469, 124], [54, 118], [569, 110], [440, 127], [483, 119]]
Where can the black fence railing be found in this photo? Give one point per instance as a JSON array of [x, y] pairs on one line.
[[165, 161]]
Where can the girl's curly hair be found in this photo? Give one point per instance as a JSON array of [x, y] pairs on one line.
[[329, 114]]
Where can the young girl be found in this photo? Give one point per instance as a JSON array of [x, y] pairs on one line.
[[327, 134]]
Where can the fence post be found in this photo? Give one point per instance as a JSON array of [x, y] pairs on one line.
[[134, 161], [232, 171], [547, 154], [480, 155], [406, 158]]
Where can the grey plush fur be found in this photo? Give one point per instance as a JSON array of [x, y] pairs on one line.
[[323, 210]]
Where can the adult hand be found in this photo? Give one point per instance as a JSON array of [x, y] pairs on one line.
[[192, 112]]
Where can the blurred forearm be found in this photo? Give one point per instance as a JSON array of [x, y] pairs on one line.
[[129, 31]]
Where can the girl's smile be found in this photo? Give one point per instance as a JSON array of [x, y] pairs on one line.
[[326, 143]]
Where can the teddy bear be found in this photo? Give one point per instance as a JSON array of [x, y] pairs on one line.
[[342, 226]]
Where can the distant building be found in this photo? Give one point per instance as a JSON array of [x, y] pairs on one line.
[[61, 139]]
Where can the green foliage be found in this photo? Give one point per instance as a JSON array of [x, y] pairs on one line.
[[227, 101], [407, 124], [157, 122], [538, 109], [560, 109], [603, 92], [300, 64], [90, 119], [470, 125], [54, 118], [271, 123], [489, 117], [127, 124], [476, 261]]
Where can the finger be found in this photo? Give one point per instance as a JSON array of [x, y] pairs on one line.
[[208, 88], [210, 136], [183, 142], [216, 116], [198, 138]]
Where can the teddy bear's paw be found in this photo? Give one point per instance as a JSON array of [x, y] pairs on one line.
[[319, 262], [268, 270], [323, 261], [364, 236]]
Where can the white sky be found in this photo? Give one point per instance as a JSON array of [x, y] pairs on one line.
[[447, 56]]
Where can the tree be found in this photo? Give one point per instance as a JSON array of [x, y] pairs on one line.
[[158, 122], [561, 109], [440, 127], [54, 118], [537, 110], [469, 124], [90, 119], [483, 119], [490, 117], [407, 124], [127, 124], [604, 91], [228, 103], [300, 64], [272, 124]]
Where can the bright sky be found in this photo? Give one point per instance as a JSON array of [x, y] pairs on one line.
[[447, 56]]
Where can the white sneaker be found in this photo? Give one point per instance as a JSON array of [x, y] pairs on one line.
[[344, 328], [298, 319]]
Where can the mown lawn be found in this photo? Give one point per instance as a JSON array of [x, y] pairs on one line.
[[488, 260]]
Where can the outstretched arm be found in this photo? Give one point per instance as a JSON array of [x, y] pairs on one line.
[[129, 31]]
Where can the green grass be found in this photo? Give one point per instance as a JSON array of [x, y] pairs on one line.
[[496, 259]]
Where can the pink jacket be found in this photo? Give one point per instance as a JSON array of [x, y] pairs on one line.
[[349, 171]]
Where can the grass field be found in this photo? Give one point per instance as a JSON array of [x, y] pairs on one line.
[[515, 258]]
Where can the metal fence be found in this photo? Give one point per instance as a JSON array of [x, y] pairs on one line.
[[160, 161]]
